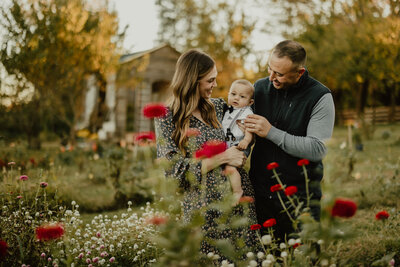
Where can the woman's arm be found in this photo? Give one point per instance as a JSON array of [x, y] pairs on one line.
[[232, 156]]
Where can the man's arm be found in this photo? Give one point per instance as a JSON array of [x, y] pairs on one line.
[[319, 129]]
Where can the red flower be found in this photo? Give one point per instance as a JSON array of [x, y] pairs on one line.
[[255, 227], [145, 136], [43, 184], [382, 215], [49, 232], [157, 220], [296, 245], [192, 132], [246, 199], [3, 248], [269, 223], [272, 165], [210, 149], [154, 110], [276, 187], [291, 190], [303, 162], [344, 208]]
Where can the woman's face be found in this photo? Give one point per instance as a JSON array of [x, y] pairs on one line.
[[207, 83]]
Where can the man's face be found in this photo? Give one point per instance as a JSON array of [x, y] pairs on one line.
[[283, 73]]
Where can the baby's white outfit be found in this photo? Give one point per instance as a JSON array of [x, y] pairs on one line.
[[229, 122]]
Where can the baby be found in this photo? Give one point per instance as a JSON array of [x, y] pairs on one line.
[[240, 98]]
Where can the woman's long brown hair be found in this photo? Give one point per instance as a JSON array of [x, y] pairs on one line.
[[191, 67]]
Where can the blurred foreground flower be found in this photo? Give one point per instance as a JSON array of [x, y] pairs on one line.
[[23, 178], [382, 215], [3, 248], [157, 220], [145, 136], [211, 148], [49, 232], [343, 208], [43, 184], [246, 199], [154, 110]]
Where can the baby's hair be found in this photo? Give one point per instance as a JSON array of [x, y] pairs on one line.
[[245, 83]]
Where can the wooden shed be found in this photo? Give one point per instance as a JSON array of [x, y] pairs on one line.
[[142, 78]]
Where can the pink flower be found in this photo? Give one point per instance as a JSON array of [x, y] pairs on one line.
[[290, 190], [246, 199], [43, 255], [112, 259], [23, 178], [154, 110], [49, 232], [96, 259], [145, 136], [43, 184], [11, 163], [210, 149], [343, 208], [19, 197]]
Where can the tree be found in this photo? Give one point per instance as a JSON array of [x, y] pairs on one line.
[[219, 28], [55, 45]]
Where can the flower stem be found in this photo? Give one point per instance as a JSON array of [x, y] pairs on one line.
[[306, 181], [284, 207], [283, 187]]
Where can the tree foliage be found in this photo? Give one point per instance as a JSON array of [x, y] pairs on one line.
[[353, 47], [55, 45], [220, 28]]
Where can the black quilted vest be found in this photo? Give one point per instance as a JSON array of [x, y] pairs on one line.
[[288, 110]]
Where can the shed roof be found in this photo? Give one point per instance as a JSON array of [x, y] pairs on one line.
[[129, 57]]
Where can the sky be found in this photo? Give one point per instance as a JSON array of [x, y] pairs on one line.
[[143, 26]]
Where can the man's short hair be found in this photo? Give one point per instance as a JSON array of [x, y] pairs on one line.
[[293, 50]]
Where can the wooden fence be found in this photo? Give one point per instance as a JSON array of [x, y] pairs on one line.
[[377, 115]]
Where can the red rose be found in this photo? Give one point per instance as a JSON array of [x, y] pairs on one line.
[[246, 199], [3, 248], [303, 162], [272, 165], [255, 227], [210, 149], [343, 208], [276, 187], [49, 232], [290, 190], [145, 136], [382, 215], [269, 223], [154, 111]]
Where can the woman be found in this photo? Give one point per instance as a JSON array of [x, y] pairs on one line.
[[191, 107]]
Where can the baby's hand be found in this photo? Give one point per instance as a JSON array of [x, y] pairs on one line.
[[243, 144]]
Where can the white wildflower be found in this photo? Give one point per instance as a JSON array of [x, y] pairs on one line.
[[266, 239], [253, 263], [250, 255], [291, 242], [260, 255], [266, 263], [284, 254], [282, 245]]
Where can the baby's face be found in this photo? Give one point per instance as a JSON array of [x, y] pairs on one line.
[[240, 96]]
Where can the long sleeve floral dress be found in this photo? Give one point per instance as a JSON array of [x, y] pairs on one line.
[[181, 165]]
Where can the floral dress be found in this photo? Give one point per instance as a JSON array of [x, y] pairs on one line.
[[194, 198]]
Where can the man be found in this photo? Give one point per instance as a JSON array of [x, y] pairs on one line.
[[293, 116]]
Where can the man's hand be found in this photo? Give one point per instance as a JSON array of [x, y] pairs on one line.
[[257, 124]]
